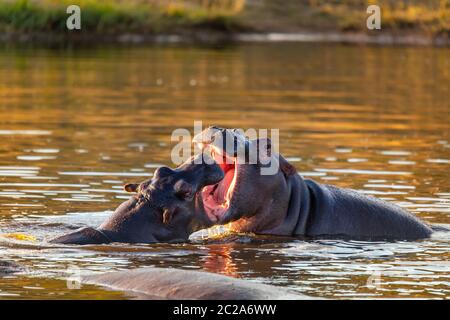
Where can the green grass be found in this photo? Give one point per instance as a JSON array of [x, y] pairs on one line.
[[111, 17], [166, 16], [429, 16]]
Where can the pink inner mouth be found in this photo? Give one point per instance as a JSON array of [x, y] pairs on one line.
[[216, 198]]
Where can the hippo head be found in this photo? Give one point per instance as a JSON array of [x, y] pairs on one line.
[[163, 209], [247, 195]]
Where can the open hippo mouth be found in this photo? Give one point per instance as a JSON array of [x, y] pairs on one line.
[[248, 166], [217, 198], [225, 146]]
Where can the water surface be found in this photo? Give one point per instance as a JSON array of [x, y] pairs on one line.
[[76, 124]]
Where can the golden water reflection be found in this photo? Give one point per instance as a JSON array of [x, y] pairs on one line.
[[76, 124]]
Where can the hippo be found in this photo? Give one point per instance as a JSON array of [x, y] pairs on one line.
[[169, 284], [9, 267], [162, 209], [215, 188], [284, 203]]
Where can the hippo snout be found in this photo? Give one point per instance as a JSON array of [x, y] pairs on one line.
[[82, 236]]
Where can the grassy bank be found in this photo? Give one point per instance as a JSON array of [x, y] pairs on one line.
[[115, 16], [427, 16], [152, 17]]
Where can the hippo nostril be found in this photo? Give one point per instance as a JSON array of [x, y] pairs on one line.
[[163, 172]]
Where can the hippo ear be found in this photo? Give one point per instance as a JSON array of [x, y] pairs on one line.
[[131, 187], [265, 150], [287, 168], [264, 147]]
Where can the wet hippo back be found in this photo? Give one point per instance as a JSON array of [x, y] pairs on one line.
[[337, 211], [158, 283]]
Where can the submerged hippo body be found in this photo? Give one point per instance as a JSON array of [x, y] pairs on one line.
[[286, 204], [317, 210], [158, 283]]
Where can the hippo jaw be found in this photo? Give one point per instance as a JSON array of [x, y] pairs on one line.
[[133, 221], [86, 235]]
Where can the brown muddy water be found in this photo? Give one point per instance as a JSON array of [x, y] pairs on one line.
[[75, 125]]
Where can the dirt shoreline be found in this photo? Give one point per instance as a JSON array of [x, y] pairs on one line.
[[218, 37]]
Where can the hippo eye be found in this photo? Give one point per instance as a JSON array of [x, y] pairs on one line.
[[184, 195]]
